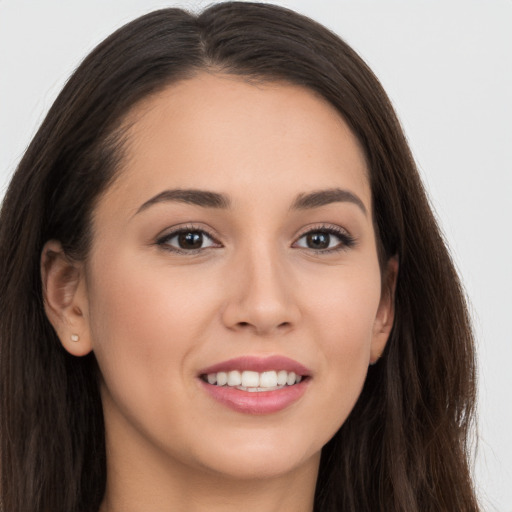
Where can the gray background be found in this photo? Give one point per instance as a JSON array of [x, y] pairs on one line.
[[447, 66]]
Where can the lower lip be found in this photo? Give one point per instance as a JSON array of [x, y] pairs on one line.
[[257, 402]]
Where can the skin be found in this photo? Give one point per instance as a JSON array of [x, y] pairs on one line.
[[155, 317]]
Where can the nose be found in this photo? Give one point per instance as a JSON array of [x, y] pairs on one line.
[[260, 294]]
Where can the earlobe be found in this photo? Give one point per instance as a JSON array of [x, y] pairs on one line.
[[65, 298], [386, 312]]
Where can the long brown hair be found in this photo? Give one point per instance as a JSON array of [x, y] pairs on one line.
[[404, 447]]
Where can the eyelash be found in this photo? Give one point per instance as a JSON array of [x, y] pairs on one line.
[[346, 240], [164, 240]]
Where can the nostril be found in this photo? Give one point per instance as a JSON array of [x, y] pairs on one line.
[[280, 327]]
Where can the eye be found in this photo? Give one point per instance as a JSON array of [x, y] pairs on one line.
[[187, 240], [325, 239]]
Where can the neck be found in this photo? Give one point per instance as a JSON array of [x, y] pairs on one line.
[[191, 490]]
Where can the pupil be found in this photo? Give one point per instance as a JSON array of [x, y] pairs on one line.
[[318, 240], [190, 240]]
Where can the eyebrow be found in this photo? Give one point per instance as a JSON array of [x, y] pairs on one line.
[[202, 198], [207, 199], [325, 197]]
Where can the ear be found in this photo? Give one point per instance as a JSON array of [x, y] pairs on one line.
[[65, 298], [386, 311]]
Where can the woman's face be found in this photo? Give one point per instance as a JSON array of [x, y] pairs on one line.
[[237, 243]]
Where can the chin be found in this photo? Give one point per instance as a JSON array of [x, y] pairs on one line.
[[261, 468], [260, 458]]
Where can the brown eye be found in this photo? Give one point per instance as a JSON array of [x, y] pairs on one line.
[[187, 240], [325, 240], [190, 240], [318, 240]]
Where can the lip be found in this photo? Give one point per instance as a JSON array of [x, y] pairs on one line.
[[258, 364], [262, 402]]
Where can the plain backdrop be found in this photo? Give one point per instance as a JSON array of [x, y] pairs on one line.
[[447, 66]]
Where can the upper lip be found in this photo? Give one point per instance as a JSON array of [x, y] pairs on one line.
[[258, 364]]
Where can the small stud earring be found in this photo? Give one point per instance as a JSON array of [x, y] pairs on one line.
[[75, 337]]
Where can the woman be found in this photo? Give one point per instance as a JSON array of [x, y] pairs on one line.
[[222, 285]]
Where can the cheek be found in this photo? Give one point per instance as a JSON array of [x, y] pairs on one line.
[[344, 320], [132, 294], [345, 308], [144, 322]]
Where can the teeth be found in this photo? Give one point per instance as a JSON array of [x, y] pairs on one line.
[[234, 378], [254, 381], [250, 379], [252, 390], [282, 377], [222, 378], [269, 380]]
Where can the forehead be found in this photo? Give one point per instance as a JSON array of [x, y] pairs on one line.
[[222, 133]]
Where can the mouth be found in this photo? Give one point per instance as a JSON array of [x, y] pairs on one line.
[[256, 385], [253, 382]]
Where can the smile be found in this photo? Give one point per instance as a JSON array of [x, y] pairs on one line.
[[253, 381], [255, 385]]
